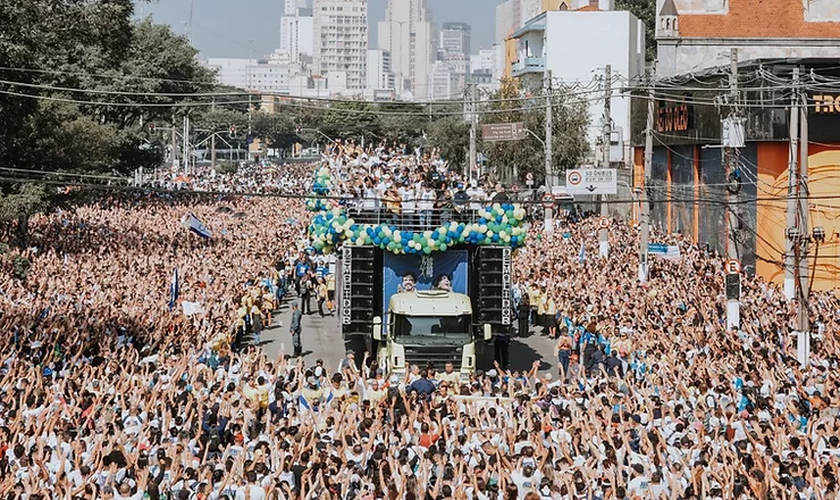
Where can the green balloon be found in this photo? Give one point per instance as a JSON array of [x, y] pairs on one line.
[[427, 250], [443, 247]]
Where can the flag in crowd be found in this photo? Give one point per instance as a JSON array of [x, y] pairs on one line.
[[174, 289], [193, 224]]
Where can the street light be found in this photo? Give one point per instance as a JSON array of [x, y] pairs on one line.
[[299, 130], [536, 137]]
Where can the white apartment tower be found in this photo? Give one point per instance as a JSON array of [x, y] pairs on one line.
[[340, 39], [407, 33], [296, 31]]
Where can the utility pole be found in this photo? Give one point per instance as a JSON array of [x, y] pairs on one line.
[[802, 324], [732, 158], [793, 158], [607, 132], [603, 234], [174, 151], [733, 142], [186, 153], [549, 138], [643, 199], [473, 132], [213, 142], [248, 138]]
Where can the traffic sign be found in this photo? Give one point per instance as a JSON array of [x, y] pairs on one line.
[[548, 200], [592, 181], [529, 180], [733, 267], [499, 132], [604, 223]]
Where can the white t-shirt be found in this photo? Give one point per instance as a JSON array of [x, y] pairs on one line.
[[638, 486], [256, 492]]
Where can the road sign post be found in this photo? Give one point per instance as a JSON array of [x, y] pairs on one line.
[[604, 238], [591, 181], [733, 294], [548, 204], [501, 132]]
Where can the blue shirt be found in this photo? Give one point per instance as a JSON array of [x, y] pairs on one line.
[[422, 386], [301, 268]]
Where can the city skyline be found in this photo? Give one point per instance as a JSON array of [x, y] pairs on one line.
[[220, 32]]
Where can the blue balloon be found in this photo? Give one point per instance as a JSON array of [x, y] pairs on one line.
[[482, 220]]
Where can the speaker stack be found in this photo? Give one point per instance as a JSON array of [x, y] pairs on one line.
[[358, 290], [493, 301]]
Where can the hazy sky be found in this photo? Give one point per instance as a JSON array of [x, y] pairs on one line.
[[251, 28]]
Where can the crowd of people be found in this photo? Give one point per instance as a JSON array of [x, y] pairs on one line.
[[384, 184], [246, 177], [108, 392]]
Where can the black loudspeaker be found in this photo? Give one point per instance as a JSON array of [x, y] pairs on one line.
[[358, 290], [733, 287], [493, 298]]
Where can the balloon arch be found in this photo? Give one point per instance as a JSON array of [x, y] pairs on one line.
[[331, 226]]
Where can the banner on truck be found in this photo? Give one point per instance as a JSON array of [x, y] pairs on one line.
[[423, 272]]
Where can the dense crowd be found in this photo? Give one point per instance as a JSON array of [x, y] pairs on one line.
[[107, 392], [248, 177], [385, 185]]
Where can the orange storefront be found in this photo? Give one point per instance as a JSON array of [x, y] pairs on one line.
[[689, 199]]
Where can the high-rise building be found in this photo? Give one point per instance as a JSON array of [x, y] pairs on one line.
[[291, 8], [379, 76], [340, 39], [455, 38], [408, 34], [296, 37]]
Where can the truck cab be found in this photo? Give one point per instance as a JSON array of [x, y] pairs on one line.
[[429, 326]]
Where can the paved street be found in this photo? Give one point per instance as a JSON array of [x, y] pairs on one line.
[[321, 339]]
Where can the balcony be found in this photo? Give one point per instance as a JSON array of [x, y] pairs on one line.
[[528, 65]]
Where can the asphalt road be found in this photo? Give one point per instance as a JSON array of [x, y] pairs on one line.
[[322, 339]]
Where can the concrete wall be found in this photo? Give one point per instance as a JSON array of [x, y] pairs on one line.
[[821, 10], [580, 42], [688, 55]]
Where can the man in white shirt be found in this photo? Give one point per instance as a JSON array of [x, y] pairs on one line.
[[255, 492]]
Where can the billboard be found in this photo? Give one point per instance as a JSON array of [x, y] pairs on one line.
[[426, 270]]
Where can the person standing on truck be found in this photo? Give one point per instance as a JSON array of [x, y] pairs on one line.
[[460, 200], [426, 205], [408, 195]]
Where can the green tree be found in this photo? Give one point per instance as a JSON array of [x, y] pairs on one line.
[[451, 136], [645, 10], [276, 130], [512, 161], [50, 123], [351, 120], [403, 123]]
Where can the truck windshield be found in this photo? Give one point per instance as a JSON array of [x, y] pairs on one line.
[[427, 329]]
